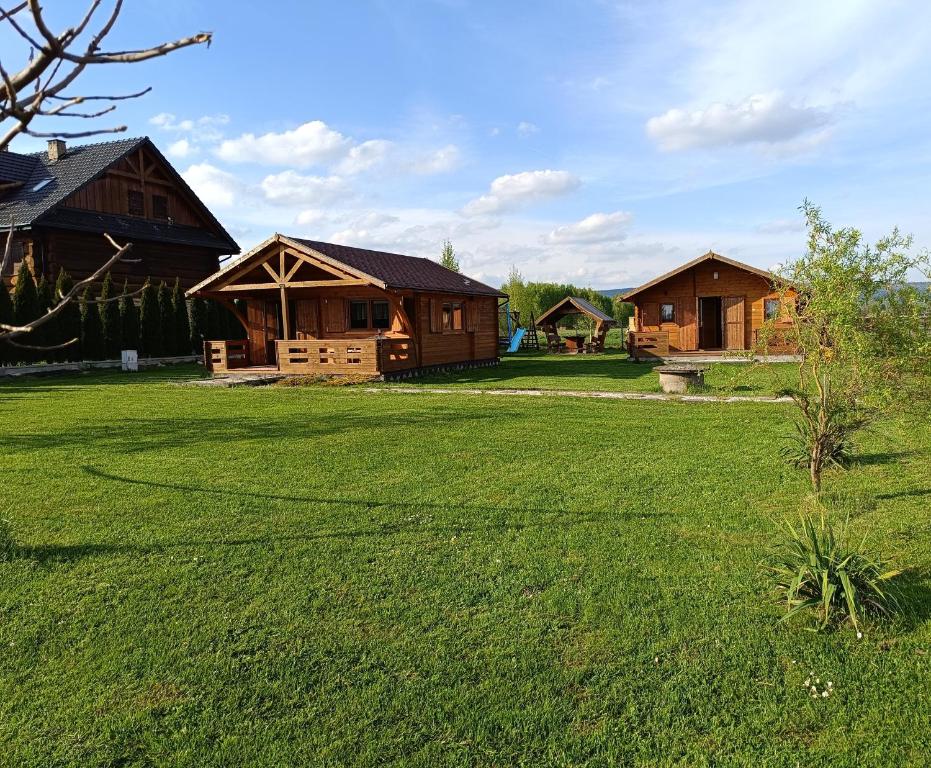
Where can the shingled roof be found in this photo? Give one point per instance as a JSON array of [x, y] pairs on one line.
[[383, 269], [34, 202], [396, 270]]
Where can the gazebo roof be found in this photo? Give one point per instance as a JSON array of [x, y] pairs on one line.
[[574, 305]]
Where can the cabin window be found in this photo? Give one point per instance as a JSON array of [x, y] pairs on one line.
[[159, 207], [667, 313], [380, 318], [358, 314], [135, 203], [452, 316], [771, 309]]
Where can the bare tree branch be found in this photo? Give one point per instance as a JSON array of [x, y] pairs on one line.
[[43, 72]]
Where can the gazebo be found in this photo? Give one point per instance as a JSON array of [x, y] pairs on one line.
[[575, 305]]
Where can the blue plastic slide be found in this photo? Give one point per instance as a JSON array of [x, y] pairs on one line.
[[515, 339]]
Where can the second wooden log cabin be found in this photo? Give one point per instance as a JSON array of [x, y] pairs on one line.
[[310, 307], [710, 304]]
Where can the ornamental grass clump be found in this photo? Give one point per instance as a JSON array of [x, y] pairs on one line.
[[817, 569]]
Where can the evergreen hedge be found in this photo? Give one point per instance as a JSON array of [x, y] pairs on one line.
[[160, 323]]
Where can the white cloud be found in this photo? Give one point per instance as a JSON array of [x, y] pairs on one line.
[[597, 228], [364, 156], [765, 118], [511, 191], [292, 188], [438, 161], [780, 226], [310, 216], [309, 144], [215, 187], [181, 148], [526, 129]]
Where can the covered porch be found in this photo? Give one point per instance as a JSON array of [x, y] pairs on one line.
[[305, 314]]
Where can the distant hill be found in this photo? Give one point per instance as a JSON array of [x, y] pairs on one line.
[[612, 292]]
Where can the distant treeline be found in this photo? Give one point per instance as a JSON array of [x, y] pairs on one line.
[[157, 322], [535, 298]]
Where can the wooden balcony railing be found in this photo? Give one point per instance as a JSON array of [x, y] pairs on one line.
[[648, 344], [341, 356], [226, 355]]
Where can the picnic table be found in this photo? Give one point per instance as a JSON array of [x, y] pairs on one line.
[[575, 343]]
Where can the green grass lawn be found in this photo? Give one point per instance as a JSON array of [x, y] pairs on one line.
[[320, 576], [608, 372]]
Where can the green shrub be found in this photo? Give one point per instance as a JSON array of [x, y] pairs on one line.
[[818, 568], [832, 446], [91, 329], [150, 333], [198, 323], [110, 319], [129, 319], [166, 315], [182, 340], [7, 351], [67, 325]]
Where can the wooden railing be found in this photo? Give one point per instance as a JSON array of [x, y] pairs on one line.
[[396, 354], [648, 344], [226, 355]]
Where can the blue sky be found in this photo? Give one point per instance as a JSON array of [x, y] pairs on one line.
[[594, 142]]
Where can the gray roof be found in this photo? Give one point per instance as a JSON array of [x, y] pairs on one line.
[[573, 305], [33, 204]]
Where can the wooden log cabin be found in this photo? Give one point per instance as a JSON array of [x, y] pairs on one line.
[[712, 305], [321, 308], [61, 201]]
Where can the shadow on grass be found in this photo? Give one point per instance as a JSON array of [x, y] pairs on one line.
[[914, 594], [905, 494], [130, 436], [550, 518], [878, 459]]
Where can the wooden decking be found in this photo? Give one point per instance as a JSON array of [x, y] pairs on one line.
[[375, 356]]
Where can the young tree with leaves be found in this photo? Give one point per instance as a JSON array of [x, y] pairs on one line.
[[110, 319], [25, 308], [448, 257], [150, 336], [862, 332], [182, 340], [129, 320], [92, 347]]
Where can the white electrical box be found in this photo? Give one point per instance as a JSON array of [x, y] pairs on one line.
[[130, 360]]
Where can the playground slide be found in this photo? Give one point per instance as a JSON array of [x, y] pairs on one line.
[[516, 338]]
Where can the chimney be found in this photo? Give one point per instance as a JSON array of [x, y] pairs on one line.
[[56, 150]]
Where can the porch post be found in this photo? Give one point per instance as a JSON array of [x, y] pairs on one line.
[[284, 314]]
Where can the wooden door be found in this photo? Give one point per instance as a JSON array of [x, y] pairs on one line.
[[733, 309], [305, 319], [687, 313], [262, 317], [334, 315], [650, 316]]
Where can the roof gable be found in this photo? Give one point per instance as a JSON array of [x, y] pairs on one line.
[[378, 268], [34, 201], [710, 256], [574, 305]]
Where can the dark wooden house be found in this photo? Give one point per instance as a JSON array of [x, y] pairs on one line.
[[61, 201], [313, 307], [711, 304]]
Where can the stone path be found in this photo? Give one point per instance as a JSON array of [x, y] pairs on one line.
[[577, 393]]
